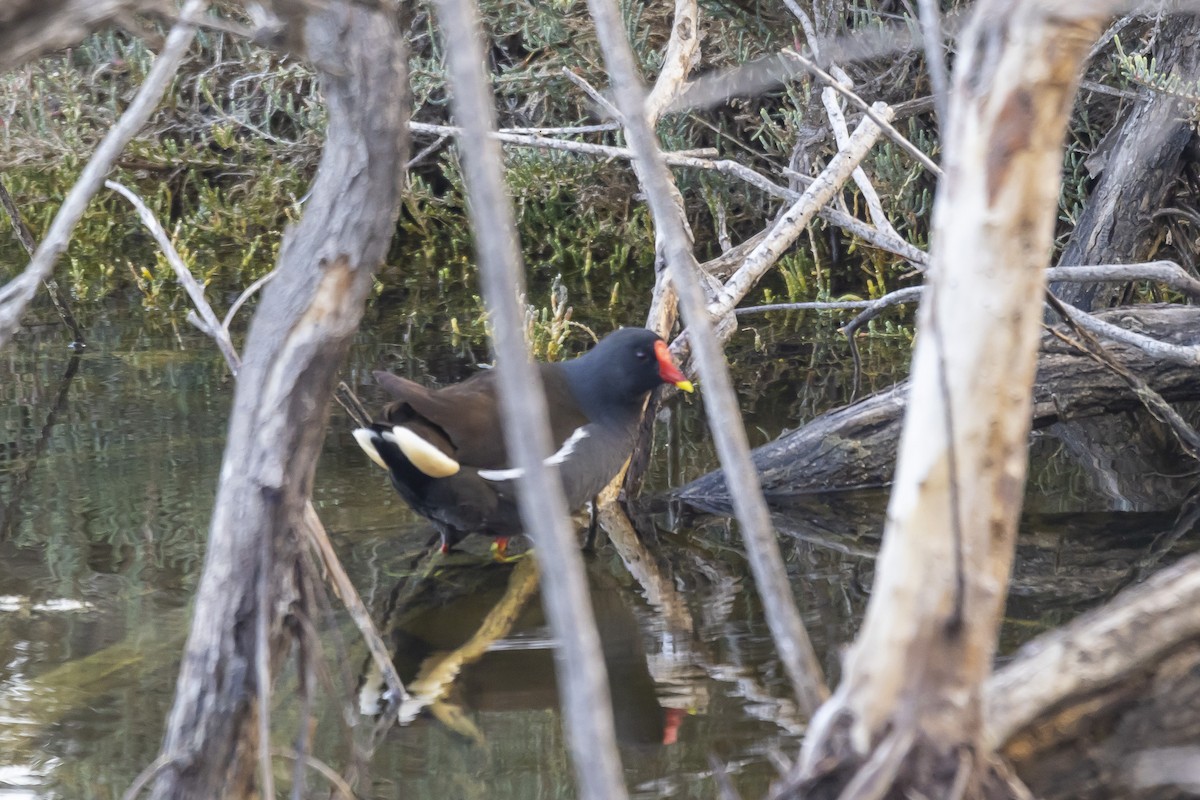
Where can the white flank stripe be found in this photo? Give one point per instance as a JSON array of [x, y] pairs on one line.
[[564, 452]]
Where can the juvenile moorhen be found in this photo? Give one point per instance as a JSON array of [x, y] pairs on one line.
[[445, 451]]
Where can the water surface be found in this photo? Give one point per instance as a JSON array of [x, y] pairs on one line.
[[108, 467]]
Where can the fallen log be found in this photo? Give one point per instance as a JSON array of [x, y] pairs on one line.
[[855, 447]]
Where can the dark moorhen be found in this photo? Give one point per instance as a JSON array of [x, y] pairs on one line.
[[446, 454]]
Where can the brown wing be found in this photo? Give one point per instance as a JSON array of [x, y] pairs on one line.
[[464, 418]]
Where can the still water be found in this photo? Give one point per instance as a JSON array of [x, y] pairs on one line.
[[108, 467]]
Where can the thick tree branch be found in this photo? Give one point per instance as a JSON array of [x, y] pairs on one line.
[[1095, 651]]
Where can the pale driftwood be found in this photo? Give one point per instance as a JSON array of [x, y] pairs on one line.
[[855, 446], [304, 324], [582, 678], [16, 294], [787, 629], [929, 636], [841, 134], [792, 223], [1094, 651], [682, 54]]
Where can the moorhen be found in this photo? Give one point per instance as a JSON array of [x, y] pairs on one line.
[[446, 454]]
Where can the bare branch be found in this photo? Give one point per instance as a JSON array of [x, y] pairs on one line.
[[870, 235], [935, 61], [246, 294], [580, 664], [842, 135], [789, 226], [317, 536], [683, 51], [1167, 273], [1095, 650], [1176, 354], [16, 294], [787, 628], [210, 324]]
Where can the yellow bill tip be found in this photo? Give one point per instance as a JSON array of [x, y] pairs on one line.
[[685, 386]]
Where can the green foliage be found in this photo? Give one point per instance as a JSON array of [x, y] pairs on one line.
[[1144, 71], [222, 162]]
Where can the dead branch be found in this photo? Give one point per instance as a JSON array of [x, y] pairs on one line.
[[57, 297], [207, 322], [790, 224], [766, 563], [1184, 355], [1158, 407], [580, 666], [16, 294], [856, 227], [682, 53], [1094, 651], [929, 635], [841, 135], [300, 334]]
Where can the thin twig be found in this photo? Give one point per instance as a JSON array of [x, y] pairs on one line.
[[262, 662], [1160, 409], [931, 35], [841, 134], [343, 587], [873, 113], [1175, 353], [852, 225], [148, 774], [790, 224], [16, 294], [1168, 273], [591, 91], [330, 774], [246, 294]]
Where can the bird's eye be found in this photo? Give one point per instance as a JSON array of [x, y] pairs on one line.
[[641, 355]]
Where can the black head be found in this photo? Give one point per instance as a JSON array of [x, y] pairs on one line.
[[615, 375]]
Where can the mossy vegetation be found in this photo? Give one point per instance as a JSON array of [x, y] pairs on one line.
[[226, 161]]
